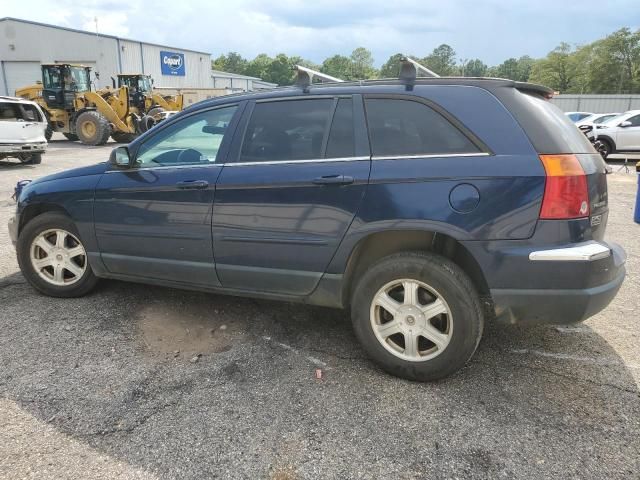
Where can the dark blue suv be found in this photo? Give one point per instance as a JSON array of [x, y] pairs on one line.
[[424, 205]]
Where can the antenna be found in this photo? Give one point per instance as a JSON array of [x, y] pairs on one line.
[[409, 69], [305, 76]]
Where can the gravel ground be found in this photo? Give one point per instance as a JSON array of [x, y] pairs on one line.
[[137, 381]]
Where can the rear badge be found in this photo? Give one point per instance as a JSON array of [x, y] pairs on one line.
[[596, 220]]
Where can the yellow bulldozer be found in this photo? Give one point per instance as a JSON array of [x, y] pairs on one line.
[[79, 113]]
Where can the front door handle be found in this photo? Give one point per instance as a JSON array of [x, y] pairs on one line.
[[333, 180], [192, 185]]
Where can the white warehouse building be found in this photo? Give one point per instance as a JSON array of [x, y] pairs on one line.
[[24, 45]]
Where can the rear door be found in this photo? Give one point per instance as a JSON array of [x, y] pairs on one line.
[[282, 207], [628, 138]]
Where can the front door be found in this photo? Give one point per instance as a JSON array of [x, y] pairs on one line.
[[154, 220], [628, 138], [290, 190]]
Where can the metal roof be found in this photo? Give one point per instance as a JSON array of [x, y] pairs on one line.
[[85, 32]]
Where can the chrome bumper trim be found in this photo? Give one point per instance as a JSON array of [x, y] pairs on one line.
[[586, 252]]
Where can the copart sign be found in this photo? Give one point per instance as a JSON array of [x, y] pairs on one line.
[[172, 63]]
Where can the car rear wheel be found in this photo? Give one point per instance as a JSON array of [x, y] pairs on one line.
[[53, 258], [417, 315]]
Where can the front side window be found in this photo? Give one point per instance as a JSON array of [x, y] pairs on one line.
[[193, 140], [405, 127], [286, 130], [635, 121]]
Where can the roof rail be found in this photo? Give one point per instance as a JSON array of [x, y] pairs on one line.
[[409, 69], [305, 76]]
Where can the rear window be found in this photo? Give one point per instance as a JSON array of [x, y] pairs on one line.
[[19, 112], [404, 127], [548, 128]]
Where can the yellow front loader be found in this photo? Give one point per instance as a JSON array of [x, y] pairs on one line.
[[147, 103], [79, 113]]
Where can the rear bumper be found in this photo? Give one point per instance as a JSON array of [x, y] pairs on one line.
[[559, 285]]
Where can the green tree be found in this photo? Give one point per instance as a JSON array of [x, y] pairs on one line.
[[337, 66], [442, 60], [391, 67], [258, 67], [362, 64], [557, 70], [475, 68], [615, 63], [232, 62]]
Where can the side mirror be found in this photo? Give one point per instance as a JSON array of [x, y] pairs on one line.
[[120, 157], [625, 124]]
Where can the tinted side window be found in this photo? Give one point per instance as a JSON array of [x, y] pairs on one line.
[[193, 140], [341, 136], [635, 121], [286, 130], [405, 127]]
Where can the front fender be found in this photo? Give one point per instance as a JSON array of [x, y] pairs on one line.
[[72, 195]]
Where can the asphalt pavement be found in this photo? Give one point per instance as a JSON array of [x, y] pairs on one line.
[[137, 381]]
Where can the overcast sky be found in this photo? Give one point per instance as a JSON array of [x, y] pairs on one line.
[[491, 30]]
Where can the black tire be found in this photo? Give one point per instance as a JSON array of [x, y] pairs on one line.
[[92, 128], [451, 283], [48, 132], [39, 224], [123, 137], [31, 159], [155, 111], [71, 136], [607, 147]]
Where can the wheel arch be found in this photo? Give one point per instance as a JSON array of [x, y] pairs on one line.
[[378, 245], [34, 210]]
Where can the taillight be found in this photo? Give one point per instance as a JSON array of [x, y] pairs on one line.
[[566, 194]]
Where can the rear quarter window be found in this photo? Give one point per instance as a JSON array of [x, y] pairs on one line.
[[400, 127], [548, 128]]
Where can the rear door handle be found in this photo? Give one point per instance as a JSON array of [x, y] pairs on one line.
[[333, 180], [192, 185]]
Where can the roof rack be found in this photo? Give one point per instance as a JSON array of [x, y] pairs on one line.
[[306, 75], [409, 69]]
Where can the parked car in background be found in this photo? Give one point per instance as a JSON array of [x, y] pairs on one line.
[[620, 133], [22, 130], [425, 206], [596, 119], [577, 116]]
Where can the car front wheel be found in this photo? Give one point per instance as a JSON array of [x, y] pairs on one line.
[[417, 315], [53, 258]]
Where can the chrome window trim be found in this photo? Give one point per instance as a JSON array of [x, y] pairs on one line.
[[311, 160], [431, 155], [586, 252], [238, 164]]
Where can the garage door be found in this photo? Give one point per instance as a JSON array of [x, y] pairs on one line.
[[20, 74]]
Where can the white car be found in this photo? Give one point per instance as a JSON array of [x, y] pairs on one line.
[[596, 119], [621, 133], [22, 130]]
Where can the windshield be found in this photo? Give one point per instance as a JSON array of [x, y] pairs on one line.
[[138, 83]]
